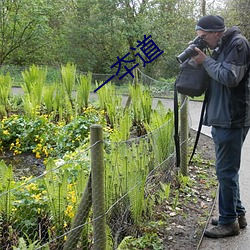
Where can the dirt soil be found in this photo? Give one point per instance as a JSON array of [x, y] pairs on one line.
[[187, 222]]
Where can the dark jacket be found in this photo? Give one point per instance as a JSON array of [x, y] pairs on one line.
[[228, 103]]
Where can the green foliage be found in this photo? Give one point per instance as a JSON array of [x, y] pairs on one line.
[[29, 245], [93, 33], [6, 184], [141, 104], [23, 28], [30, 206], [127, 160], [68, 74], [57, 188], [184, 181], [43, 137], [33, 85], [83, 91], [48, 98], [126, 172], [5, 90], [164, 191], [161, 126], [122, 126], [111, 103], [147, 241]]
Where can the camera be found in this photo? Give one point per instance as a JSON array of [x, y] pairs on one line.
[[190, 51]]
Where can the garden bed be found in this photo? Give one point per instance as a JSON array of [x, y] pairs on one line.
[[179, 221]]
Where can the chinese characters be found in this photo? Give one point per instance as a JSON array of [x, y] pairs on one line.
[[147, 47]]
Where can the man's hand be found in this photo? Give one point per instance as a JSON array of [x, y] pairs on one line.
[[200, 58]]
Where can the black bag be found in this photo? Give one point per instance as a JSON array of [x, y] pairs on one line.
[[192, 80]]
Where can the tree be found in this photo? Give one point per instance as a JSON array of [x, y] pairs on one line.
[[20, 22], [237, 12], [101, 30]]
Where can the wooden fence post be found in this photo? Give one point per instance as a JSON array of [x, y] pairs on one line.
[[80, 218], [98, 195], [184, 135]]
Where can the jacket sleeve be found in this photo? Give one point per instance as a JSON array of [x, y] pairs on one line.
[[234, 66]]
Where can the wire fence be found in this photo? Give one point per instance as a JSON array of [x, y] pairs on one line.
[[47, 204], [56, 210]]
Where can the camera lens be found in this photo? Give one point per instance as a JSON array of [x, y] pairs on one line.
[[187, 53], [190, 51]]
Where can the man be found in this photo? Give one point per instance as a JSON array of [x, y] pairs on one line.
[[228, 112]]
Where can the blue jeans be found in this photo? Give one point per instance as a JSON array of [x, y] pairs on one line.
[[228, 145]]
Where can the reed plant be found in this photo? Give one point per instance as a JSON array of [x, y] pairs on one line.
[[83, 91], [5, 90], [110, 102], [56, 187], [68, 75], [34, 80], [48, 98], [141, 105], [161, 130], [126, 172], [122, 127], [6, 184], [62, 106]]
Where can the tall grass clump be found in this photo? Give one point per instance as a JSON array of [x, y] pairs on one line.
[[34, 80], [110, 102], [83, 91], [68, 74], [5, 90], [48, 98], [127, 167], [141, 105], [161, 130]]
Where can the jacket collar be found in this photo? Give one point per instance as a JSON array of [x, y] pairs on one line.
[[231, 32]]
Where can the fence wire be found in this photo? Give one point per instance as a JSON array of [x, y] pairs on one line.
[[43, 210]]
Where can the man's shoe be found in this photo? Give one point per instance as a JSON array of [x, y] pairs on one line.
[[221, 231], [241, 219]]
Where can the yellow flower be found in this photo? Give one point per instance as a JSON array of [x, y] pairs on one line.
[[6, 132], [73, 199], [31, 187], [14, 209], [69, 211], [37, 196], [17, 152], [38, 156], [45, 151], [103, 112]]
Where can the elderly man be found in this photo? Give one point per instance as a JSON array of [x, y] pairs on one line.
[[228, 112]]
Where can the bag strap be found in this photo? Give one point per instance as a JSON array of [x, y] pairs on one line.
[[199, 127], [176, 126]]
